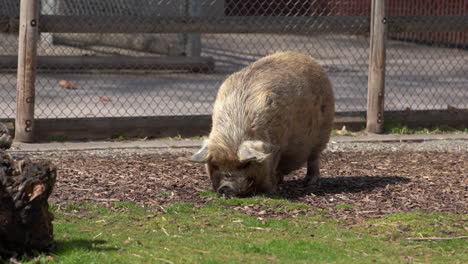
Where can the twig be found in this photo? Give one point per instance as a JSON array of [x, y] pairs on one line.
[[165, 232], [14, 261], [103, 200], [197, 250], [436, 238], [162, 208], [165, 260]]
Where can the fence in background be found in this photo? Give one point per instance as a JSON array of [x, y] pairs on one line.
[[141, 66]]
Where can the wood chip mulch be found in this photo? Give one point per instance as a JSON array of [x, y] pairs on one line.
[[355, 185]]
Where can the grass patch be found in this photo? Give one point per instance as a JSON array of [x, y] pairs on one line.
[[397, 128], [129, 233], [321, 211], [164, 193], [118, 137], [180, 208], [59, 138], [344, 206], [391, 127], [209, 194], [179, 137]]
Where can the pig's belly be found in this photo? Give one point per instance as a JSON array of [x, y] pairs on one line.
[[289, 163]]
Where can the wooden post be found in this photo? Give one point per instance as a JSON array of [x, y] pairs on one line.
[[27, 49], [193, 41], [376, 81]]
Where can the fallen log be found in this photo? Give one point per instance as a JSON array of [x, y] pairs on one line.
[[25, 220]]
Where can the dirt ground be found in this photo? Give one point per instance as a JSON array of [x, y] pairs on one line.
[[354, 186]]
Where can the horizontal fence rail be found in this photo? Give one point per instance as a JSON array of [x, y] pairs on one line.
[[194, 125], [194, 64], [290, 25]]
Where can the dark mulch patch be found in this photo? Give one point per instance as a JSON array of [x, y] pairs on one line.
[[354, 185]]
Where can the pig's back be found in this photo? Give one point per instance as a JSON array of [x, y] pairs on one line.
[[285, 99]]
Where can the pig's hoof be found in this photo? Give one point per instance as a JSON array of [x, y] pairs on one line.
[[310, 181]]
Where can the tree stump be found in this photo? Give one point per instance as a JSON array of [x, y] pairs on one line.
[[5, 138], [25, 186]]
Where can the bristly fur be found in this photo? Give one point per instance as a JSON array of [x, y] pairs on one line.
[[285, 100]]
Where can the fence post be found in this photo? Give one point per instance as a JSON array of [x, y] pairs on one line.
[[376, 81], [193, 41], [27, 49]]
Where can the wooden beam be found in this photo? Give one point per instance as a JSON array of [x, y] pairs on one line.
[[193, 44], [27, 49], [105, 128], [448, 23], [278, 25], [194, 64], [376, 80], [194, 25], [188, 126]]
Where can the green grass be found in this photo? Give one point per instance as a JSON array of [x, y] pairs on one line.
[[279, 205], [179, 137], [59, 139], [118, 137], [215, 233], [344, 206], [397, 128], [209, 194]]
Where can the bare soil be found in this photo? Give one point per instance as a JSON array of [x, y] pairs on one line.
[[355, 185]]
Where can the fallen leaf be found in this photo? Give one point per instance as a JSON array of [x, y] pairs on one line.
[[452, 109], [408, 111], [105, 98], [67, 85], [342, 131]]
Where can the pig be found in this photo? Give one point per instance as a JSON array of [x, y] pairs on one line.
[[268, 120]]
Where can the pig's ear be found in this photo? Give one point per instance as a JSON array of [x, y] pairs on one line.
[[202, 154], [255, 150]]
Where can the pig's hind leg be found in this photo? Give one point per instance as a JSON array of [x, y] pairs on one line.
[[313, 170]]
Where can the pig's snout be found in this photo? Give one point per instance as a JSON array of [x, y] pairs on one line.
[[226, 190]]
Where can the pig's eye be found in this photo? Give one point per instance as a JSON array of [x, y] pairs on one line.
[[244, 165]]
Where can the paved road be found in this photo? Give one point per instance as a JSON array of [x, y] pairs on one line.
[[418, 76]]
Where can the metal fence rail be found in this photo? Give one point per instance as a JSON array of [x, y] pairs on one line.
[[128, 58]]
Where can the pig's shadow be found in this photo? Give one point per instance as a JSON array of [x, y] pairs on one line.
[[62, 246], [295, 188]]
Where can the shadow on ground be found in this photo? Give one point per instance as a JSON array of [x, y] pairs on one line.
[[62, 246], [295, 188]]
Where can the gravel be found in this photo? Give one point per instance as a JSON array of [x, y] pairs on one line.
[[460, 146]]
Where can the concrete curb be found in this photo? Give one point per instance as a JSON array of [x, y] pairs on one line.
[[161, 144]]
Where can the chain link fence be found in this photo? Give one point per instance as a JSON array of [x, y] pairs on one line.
[[427, 70], [132, 74]]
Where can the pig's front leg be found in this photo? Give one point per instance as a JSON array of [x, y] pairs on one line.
[[313, 170]]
